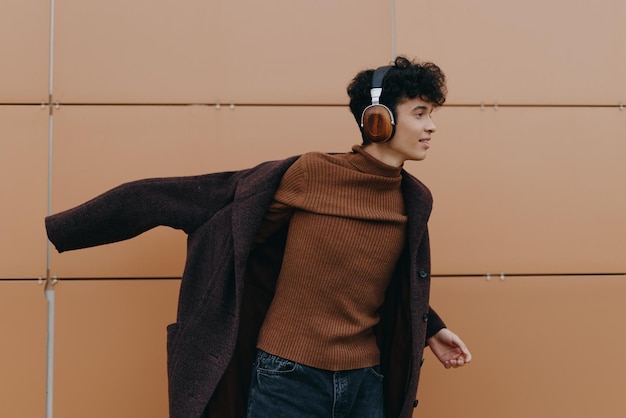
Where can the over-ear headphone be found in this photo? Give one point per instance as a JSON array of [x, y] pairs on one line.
[[377, 121]]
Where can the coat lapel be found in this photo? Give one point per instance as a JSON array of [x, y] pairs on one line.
[[254, 193], [418, 205]]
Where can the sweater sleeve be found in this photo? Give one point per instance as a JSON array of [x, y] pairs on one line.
[[133, 208]]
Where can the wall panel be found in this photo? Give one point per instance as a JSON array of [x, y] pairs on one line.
[[301, 51], [24, 48], [527, 190], [542, 347], [23, 187], [531, 52], [220, 51], [23, 349], [111, 347], [99, 147], [110, 356], [516, 199], [135, 51]]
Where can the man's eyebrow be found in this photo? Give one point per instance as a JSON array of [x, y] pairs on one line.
[[421, 107]]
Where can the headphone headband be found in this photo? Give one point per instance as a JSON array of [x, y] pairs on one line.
[[379, 75], [377, 83]]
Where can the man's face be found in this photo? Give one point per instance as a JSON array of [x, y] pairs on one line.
[[414, 128]]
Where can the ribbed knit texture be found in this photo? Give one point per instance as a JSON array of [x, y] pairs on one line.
[[346, 233]]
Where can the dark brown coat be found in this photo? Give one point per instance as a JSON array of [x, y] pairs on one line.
[[227, 285]]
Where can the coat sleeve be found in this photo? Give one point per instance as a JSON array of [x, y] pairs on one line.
[[133, 208], [435, 323]]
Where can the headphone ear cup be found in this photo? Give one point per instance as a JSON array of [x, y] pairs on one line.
[[377, 123]]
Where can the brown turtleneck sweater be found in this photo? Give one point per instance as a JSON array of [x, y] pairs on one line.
[[346, 233]]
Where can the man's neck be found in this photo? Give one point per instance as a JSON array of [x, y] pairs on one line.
[[380, 152]]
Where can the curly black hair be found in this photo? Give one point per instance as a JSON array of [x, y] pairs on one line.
[[406, 79]]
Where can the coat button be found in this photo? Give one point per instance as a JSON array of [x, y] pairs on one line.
[[423, 273], [425, 317], [415, 403]]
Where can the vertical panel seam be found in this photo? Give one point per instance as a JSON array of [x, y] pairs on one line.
[[393, 30], [49, 290]]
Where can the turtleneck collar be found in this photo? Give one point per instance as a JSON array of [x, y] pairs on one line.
[[366, 163]]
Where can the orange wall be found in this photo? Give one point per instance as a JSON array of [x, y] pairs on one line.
[[528, 232]]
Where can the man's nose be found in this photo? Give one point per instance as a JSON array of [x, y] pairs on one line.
[[431, 126]]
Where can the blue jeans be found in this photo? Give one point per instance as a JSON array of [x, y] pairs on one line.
[[284, 388]]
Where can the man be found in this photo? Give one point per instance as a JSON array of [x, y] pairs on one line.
[[313, 272], [318, 350]]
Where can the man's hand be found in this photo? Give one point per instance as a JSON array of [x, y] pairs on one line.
[[449, 349]]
